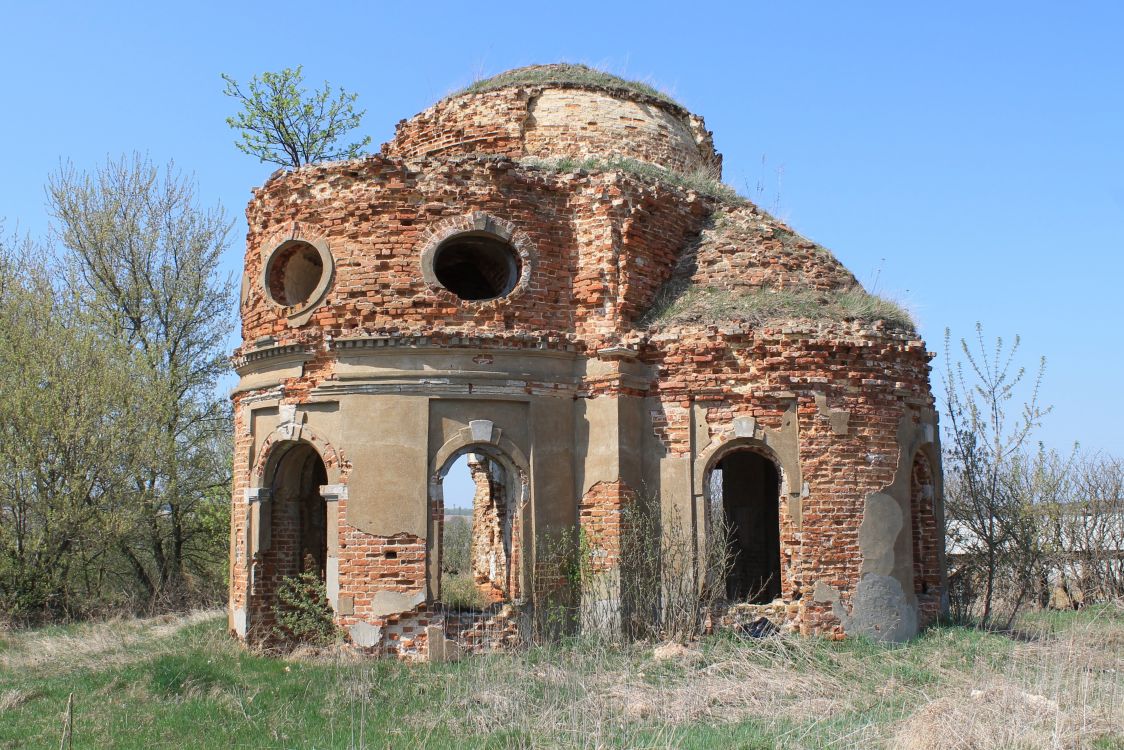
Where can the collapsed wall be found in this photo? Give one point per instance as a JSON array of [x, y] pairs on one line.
[[598, 335]]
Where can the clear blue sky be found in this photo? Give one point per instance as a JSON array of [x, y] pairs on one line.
[[965, 157]]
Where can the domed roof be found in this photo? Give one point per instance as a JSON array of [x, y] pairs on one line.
[[568, 75], [560, 112]]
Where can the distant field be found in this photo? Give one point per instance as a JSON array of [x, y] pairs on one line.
[[182, 683]]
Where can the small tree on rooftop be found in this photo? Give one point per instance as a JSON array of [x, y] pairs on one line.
[[281, 123]]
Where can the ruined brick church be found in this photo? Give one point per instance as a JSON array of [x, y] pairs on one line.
[[543, 273]]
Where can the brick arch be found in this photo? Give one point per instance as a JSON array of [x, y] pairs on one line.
[[482, 434], [477, 221], [763, 552], [709, 458], [283, 439]]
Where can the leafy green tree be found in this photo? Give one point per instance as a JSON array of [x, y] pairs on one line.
[[143, 259], [68, 420], [282, 124]]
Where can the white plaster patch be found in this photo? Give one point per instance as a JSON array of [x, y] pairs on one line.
[[332, 581], [745, 427], [287, 413], [481, 430], [239, 618], [333, 492], [365, 635], [440, 648], [824, 593], [393, 602], [881, 610], [882, 521]]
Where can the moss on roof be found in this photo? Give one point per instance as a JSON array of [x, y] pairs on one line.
[[701, 181], [755, 306], [567, 74]]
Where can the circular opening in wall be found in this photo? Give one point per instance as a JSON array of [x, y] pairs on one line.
[[294, 272], [477, 266]]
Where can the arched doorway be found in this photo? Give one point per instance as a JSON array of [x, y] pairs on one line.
[[473, 545], [744, 488], [299, 515]]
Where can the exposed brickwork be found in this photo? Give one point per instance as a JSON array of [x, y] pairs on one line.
[[490, 539], [876, 375], [595, 249], [540, 121], [926, 555], [744, 247], [603, 522]]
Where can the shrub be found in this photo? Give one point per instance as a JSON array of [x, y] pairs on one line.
[[666, 587], [303, 612]]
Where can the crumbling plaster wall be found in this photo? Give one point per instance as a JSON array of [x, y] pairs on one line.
[[389, 372], [855, 405]]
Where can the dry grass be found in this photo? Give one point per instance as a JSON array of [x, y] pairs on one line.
[[1061, 691], [117, 641], [1060, 684], [566, 74], [702, 181], [755, 306]]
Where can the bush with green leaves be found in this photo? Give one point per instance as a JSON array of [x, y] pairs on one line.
[[303, 612]]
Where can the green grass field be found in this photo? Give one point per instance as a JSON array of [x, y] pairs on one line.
[[182, 683]]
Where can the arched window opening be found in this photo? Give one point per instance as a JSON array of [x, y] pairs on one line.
[[474, 525], [745, 497], [300, 519], [477, 266]]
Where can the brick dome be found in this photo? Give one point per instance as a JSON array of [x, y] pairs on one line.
[[543, 273], [560, 112]]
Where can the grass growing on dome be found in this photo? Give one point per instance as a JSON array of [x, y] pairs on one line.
[[702, 181], [759, 306], [565, 73]]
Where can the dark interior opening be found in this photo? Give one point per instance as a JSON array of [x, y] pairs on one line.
[[297, 488], [294, 273], [750, 491], [476, 266]]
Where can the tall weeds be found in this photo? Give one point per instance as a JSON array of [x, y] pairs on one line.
[[665, 583]]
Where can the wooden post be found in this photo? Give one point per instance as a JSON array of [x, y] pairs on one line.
[[67, 740]]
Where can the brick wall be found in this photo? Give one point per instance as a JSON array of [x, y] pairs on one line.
[[602, 245], [539, 121]]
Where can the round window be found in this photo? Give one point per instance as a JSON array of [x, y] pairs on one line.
[[294, 273], [477, 266]]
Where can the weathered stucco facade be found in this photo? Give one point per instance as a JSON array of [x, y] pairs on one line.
[[455, 294]]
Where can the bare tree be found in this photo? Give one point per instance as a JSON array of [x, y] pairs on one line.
[[1091, 530], [143, 259], [986, 510]]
